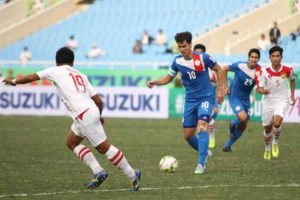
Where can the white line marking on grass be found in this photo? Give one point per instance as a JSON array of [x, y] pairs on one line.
[[294, 185]]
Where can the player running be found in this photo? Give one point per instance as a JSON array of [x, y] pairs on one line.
[[199, 94], [84, 105], [274, 85], [200, 48], [246, 75]]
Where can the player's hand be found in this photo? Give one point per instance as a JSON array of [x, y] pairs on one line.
[[102, 120], [220, 97], [226, 90], [266, 91], [150, 84], [293, 100], [9, 81]]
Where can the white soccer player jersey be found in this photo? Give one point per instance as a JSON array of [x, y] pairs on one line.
[[73, 87], [277, 82]]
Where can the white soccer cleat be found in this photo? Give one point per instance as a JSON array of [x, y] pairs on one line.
[[200, 169]]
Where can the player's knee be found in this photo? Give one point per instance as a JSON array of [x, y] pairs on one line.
[[268, 129], [277, 124], [70, 145], [202, 127], [103, 147]]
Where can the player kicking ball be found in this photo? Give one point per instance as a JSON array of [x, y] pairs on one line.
[[274, 84], [246, 76], [199, 94], [85, 106]]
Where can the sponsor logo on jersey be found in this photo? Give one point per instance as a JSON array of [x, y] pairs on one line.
[[283, 75]]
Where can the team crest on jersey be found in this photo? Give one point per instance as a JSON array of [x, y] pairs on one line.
[[197, 62], [283, 75]]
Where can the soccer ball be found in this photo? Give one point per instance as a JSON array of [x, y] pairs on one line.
[[168, 164]]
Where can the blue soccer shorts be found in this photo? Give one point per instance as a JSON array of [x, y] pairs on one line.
[[195, 110]]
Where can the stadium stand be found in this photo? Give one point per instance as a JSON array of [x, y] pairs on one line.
[[115, 30]]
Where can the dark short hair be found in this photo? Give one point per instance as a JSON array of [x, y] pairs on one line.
[[184, 36], [254, 50], [276, 48], [200, 46], [64, 56]]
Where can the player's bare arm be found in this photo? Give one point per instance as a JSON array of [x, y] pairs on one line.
[[98, 101], [225, 71], [293, 86], [26, 79], [162, 81], [220, 77], [261, 90]]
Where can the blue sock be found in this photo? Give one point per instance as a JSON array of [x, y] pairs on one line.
[[203, 146], [193, 141], [234, 137]]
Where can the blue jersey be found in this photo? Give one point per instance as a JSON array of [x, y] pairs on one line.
[[244, 80], [194, 75]]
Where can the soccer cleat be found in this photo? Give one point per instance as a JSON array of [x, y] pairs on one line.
[[275, 150], [227, 149], [267, 155], [212, 143], [97, 179], [135, 185], [200, 169]]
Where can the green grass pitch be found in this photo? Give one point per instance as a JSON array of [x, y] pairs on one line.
[[36, 164]]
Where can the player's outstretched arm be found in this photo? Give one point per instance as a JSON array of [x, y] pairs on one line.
[[25, 79], [220, 77], [226, 89], [293, 86], [162, 81]]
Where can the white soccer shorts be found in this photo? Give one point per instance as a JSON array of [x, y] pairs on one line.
[[90, 127], [268, 112]]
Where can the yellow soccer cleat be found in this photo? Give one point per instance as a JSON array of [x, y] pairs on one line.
[[267, 155], [275, 150], [212, 143]]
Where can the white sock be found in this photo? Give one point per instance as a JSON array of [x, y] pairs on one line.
[[88, 158], [276, 133], [115, 156], [267, 139], [212, 128]]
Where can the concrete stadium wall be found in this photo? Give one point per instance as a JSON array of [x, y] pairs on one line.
[[286, 25], [33, 23], [217, 40], [12, 12]]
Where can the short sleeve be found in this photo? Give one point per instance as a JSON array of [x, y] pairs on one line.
[[234, 67], [292, 75], [46, 74], [173, 70], [208, 61]]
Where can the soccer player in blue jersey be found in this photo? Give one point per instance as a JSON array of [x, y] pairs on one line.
[[199, 94], [200, 48], [246, 76]]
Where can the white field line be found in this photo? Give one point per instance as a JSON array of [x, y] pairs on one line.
[[295, 185]]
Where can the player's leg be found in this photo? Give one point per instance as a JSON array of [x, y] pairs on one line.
[[95, 134], [117, 158], [277, 120], [267, 120], [83, 153], [212, 128], [204, 112], [238, 125], [279, 112], [189, 122]]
